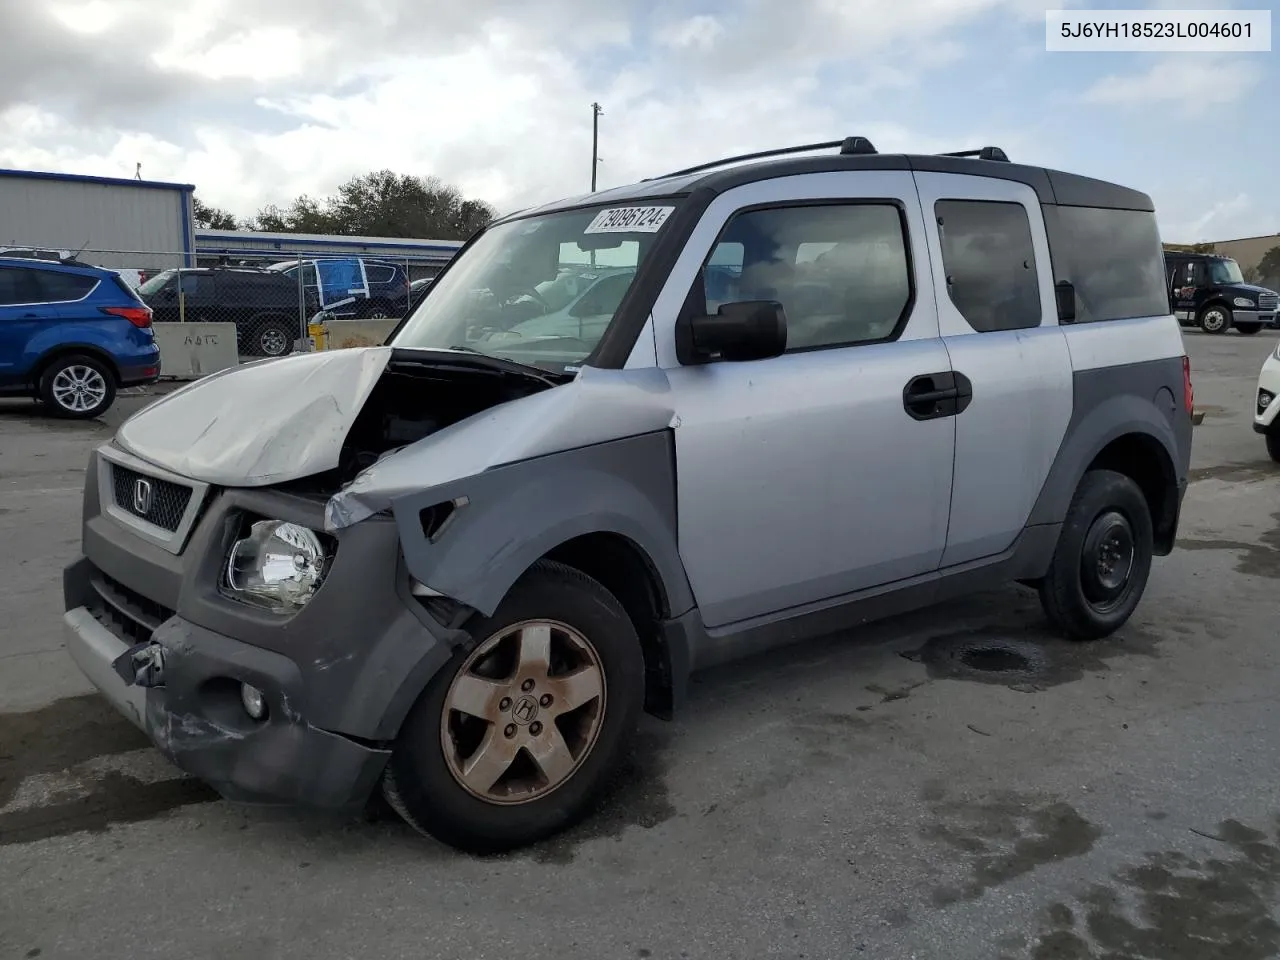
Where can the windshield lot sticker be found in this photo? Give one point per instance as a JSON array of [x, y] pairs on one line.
[[630, 220]]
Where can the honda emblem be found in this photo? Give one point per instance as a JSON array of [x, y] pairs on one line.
[[142, 496]]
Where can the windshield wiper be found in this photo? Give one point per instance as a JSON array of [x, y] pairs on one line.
[[529, 368]]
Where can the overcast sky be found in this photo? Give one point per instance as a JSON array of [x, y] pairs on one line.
[[257, 102]]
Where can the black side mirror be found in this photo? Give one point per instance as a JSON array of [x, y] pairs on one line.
[[748, 330], [1065, 293]]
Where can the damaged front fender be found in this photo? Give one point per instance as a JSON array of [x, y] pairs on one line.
[[502, 521]]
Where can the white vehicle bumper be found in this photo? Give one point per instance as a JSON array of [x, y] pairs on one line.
[[1266, 411]]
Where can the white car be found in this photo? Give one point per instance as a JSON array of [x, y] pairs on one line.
[[1266, 412]]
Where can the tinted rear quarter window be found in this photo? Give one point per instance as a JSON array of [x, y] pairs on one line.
[[1112, 257], [123, 286], [379, 274], [990, 263], [62, 287]]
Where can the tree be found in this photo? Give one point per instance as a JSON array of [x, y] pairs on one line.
[[383, 204], [304, 215], [1267, 272], [212, 218]]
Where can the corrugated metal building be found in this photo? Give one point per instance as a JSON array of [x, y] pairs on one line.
[[423, 257], [1247, 251], [117, 222]]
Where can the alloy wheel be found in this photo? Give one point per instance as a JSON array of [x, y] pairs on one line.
[[523, 712], [79, 388], [273, 343]]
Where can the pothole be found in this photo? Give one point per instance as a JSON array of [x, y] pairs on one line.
[[1010, 661], [995, 659]]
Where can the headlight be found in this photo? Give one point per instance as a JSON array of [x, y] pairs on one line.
[[1244, 302], [278, 566]]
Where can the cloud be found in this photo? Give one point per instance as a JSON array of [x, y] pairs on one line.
[[257, 103], [1241, 215], [1194, 83]]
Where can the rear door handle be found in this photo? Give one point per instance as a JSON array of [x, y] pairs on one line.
[[933, 395]]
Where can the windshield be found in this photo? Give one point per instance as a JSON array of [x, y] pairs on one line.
[[541, 290], [157, 282], [1225, 271]]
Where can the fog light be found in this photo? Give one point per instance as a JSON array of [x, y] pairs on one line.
[[255, 704], [1264, 401]]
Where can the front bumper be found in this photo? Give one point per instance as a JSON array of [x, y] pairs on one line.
[[194, 717], [1266, 413], [1264, 318], [339, 676]]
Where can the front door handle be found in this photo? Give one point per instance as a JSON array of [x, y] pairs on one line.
[[933, 395]]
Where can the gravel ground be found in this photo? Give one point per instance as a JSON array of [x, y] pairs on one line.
[[880, 794]]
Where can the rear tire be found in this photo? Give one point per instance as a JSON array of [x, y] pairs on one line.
[[78, 387], [1248, 329], [1215, 319], [1103, 559], [272, 339], [517, 711], [1273, 444]]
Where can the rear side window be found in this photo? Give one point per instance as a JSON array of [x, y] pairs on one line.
[[19, 285], [62, 287], [198, 285], [990, 263], [1113, 259], [379, 274]]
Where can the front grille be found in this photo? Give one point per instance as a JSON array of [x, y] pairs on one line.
[[160, 502], [125, 612], [1268, 301]]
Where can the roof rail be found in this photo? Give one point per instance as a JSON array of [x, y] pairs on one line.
[[986, 153], [849, 146]]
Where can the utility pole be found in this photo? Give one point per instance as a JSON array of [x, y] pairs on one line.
[[595, 142]]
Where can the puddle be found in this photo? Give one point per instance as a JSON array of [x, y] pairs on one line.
[[1023, 659], [1235, 472], [1005, 837], [68, 734], [1175, 907], [1261, 559]]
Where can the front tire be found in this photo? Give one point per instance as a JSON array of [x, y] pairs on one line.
[[78, 387], [514, 739], [1273, 444], [1248, 329], [1215, 319], [374, 310], [1103, 558]]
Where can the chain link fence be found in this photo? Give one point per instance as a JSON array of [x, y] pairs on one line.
[[271, 301]]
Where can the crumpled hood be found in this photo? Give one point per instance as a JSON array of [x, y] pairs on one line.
[[260, 423]]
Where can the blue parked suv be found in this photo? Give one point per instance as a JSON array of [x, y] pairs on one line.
[[71, 334]]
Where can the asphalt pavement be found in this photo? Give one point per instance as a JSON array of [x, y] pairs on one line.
[[955, 784]]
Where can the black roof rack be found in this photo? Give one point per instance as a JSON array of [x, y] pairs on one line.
[[849, 146], [986, 153]]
